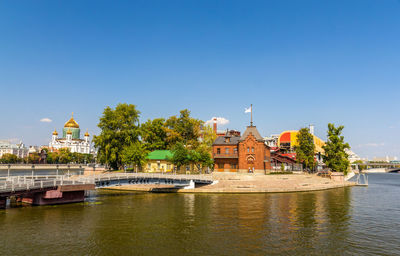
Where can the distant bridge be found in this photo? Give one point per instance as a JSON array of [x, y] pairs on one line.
[[388, 167]]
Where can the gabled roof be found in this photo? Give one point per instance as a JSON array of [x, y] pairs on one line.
[[253, 130], [160, 155]]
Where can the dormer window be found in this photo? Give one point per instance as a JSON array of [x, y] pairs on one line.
[[227, 139]]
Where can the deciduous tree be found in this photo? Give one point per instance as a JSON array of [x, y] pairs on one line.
[[180, 155], [119, 129], [9, 159], [154, 134], [184, 129], [335, 156], [135, 154], [305, 150]]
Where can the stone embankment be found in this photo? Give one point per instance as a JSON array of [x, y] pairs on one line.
[[251, 183]]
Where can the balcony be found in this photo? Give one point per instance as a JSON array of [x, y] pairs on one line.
[[231, 155]]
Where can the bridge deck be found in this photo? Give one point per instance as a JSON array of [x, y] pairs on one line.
[[16, 184]]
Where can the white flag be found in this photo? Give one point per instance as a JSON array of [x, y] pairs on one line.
[[247, 110]]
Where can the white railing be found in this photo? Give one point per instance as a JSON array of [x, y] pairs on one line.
[[20, 183]]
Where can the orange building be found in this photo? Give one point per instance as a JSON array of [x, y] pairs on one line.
[[246, 153], [288, 140]]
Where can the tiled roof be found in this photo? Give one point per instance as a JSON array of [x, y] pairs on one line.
[[233, 140], [253, 130]]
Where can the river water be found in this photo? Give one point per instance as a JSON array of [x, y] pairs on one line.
[[347, 221]]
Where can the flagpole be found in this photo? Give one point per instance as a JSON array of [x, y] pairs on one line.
[[251, 114]]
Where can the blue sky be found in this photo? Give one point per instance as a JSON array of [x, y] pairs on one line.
[[296, 61]]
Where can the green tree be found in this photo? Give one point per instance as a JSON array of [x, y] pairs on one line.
[[305, 149], [335, 156], [119, 129], [32, 158], [135, 154], [154, 134], [52, 157], [64, 156], [9, 159], [201, 158], [180, 155], [208, 137], [88, 158], [183, 129]]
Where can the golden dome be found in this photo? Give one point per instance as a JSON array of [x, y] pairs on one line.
[[55, 132], [71, 122], [69, 131], [86, 133]]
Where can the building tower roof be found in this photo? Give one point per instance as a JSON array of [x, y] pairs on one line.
[[55, 132], [253, 130], [71, 122], [87, 133], [69, 131]]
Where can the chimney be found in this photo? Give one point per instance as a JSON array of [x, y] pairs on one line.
[[311, 129], [215, 125]]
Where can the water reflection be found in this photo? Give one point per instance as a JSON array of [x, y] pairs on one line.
[[332, 222]]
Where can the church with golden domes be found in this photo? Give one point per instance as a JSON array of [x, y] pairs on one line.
[[71, 138]]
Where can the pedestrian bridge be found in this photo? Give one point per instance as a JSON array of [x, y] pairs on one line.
[[58, 189], [20, 184], [119, 179]]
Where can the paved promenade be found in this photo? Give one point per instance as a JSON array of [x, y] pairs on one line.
[[250, 183]]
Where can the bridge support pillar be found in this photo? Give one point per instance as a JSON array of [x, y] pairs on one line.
[[3, 202], [190, 186], [62, 195]]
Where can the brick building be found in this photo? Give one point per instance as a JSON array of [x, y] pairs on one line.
[[245, 153]]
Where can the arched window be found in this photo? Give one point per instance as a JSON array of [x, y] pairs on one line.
[[252, 149]]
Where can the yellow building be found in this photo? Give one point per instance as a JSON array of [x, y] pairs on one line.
[[288, 139], [159, 161]]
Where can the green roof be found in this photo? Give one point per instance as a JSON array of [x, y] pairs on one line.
[[160, 155]]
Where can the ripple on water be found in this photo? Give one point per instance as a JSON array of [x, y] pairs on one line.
[[348, 221]]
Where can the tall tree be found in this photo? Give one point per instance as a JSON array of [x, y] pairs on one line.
[[305, 150], [207, 137], [335, 156], [119, 129], [184, 129], [154, 134], [135, 154]]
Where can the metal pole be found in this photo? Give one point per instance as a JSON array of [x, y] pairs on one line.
[[8, 171], [251, 114]]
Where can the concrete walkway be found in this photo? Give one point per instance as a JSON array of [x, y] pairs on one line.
[[251, 183]]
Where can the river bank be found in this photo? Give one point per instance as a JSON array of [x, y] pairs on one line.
[[250, 183]]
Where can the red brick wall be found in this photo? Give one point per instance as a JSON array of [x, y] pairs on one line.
[[222, 148], [261, 153]]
